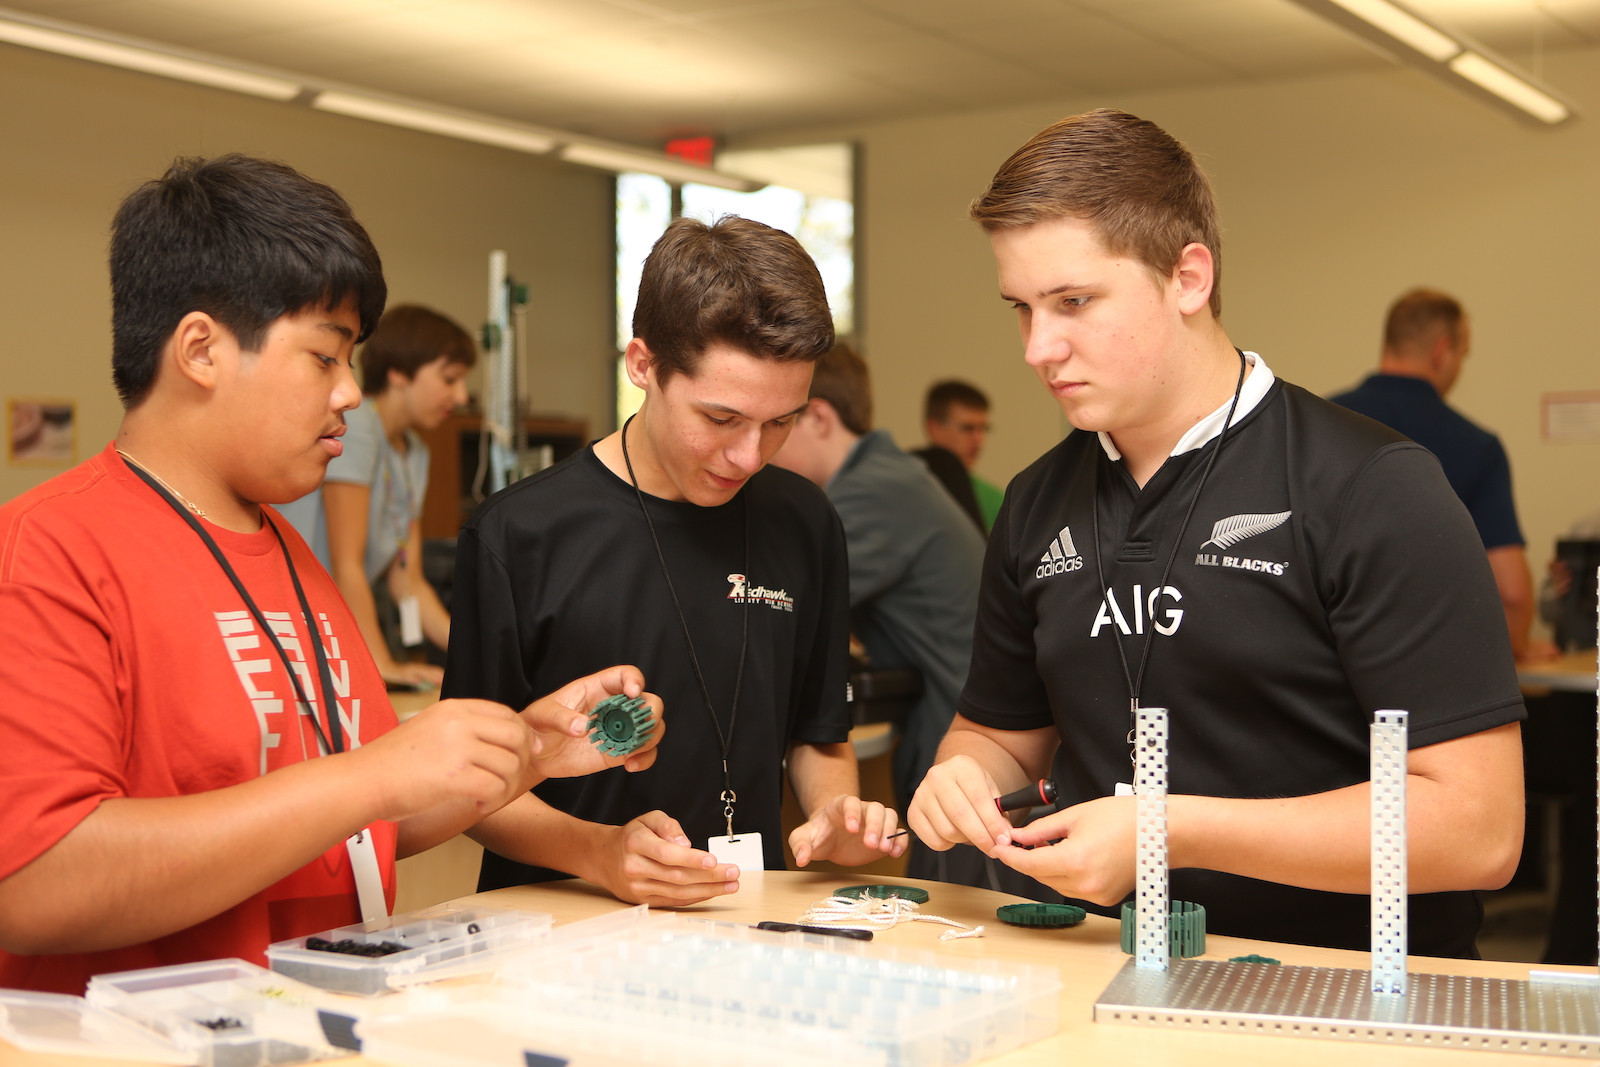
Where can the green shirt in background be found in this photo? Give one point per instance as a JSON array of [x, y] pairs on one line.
[[989, 499]]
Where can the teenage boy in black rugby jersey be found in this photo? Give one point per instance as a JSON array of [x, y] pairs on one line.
[[1272, 584]]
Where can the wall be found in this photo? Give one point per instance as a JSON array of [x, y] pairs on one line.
[[1337, 194], [77, 137]]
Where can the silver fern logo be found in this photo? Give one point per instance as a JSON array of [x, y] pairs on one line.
[[1235, 528]]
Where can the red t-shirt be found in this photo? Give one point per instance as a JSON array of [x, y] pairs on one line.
[[132, 668]]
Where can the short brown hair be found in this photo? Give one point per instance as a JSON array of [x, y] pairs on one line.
[[842, 379], [1413, 318], [1132, 181], [942, 396], [733, 281], [408, 337]]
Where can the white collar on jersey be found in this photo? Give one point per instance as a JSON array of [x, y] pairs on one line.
[[1255, 387]]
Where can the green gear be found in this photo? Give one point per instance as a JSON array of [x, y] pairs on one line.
[[1040, 914], [619, 725], [1252, 958], [1186, 931], [884, 892]]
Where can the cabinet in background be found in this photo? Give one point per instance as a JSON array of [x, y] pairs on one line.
[[455, 446]]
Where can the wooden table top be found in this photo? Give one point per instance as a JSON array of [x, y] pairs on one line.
[[1573, 672], [1088, 956]]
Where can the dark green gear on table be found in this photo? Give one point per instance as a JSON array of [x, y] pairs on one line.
[[619, 725], [884, 892], [1040, 914], [1252, 958], [1186, 930]]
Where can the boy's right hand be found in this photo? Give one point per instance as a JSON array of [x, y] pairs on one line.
[[473, 751], [650, 861], [955, 805]]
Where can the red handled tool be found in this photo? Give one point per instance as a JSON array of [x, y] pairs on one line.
[[1029, 796]]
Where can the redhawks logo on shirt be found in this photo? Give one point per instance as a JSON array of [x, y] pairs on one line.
[[740, 591]]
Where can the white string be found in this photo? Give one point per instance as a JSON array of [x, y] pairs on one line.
[[880, 913]]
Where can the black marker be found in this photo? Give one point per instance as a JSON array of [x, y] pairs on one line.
[[851, 932]]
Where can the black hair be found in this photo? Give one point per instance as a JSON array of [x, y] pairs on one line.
[[244, 240]]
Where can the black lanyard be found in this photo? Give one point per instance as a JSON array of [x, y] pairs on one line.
[[1135, 682], [333, 739], [726, 740]]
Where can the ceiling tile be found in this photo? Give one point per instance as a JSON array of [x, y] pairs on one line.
[[632, 69]]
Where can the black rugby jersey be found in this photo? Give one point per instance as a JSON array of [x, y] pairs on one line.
[[1328, 571]]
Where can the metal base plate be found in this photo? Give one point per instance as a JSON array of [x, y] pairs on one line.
[[1555, 1017]]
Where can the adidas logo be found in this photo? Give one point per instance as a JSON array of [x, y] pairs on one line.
[[1061, 557]]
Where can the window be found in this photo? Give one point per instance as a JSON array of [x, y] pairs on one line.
[[809, 196]]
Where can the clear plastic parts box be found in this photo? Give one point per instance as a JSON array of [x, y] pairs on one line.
[[65, 1025], [443, 941], [633, 988], [221, 1013]]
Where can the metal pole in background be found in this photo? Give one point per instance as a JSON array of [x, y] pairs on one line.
[[499, 409]]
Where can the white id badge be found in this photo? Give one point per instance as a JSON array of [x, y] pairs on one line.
[[410, 621], [369, 880], [1124, 789], [741, 850]]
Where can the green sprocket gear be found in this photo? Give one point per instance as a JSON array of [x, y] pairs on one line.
[[1186, 931], [884, 892], [619, 725], [1040, 914]]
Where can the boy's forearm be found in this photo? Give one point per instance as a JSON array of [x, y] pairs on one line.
[[819, 773], [1464, 826], [1012, 760], [528, 830], [140, 868]]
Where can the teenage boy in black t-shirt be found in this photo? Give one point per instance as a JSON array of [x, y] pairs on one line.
[[725, 580], [1213, 541]]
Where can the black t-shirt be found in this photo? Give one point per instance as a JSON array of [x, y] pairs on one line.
[[1328, 571], [557, 577], [1473, 459]]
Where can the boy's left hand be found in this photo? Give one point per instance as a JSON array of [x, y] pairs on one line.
[[848, 831], [560, 724], [1087, 851]]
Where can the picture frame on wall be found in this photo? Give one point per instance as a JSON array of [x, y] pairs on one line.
[[41, 431]]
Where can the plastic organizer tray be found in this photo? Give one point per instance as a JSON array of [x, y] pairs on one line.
[[221, 1013], [67, 1026], [451, 938], [633, 988]]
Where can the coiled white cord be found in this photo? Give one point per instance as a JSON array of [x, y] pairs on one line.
[[880, 913]]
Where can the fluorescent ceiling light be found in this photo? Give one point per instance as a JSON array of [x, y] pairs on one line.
[[146, 60], [1502, 83], [623, 160], [1451, 57], [1404, 26], [429, 120]]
